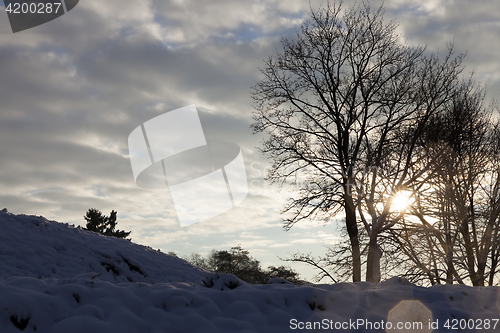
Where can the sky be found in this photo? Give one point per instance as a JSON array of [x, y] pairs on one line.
[[73, 89]]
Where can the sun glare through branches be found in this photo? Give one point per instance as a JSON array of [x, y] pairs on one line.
[[401, 201]]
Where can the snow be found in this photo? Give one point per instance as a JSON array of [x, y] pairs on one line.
[[60, 279]]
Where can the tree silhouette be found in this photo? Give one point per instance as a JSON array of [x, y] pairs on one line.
[[457, 227], [238, 261], [97, 222], [335, 102]]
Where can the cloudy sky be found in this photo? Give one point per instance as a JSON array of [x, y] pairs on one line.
[[73, 89]]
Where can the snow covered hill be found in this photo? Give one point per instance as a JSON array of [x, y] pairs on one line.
[[31, 246], [60, 279]]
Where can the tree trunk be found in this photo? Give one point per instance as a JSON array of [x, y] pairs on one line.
[[449, 257], [470, 259], [352, 231], [373, 262], [480, 276], [488, 247], [493, 266]]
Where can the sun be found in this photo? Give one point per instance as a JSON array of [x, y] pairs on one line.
[[401, 200]]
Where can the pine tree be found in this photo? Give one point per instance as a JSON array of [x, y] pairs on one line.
[[97, 222]]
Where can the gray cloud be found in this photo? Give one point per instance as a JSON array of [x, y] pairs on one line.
[[73, 89]]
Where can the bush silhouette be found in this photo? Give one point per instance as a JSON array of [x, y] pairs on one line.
[[97, 222], [238, 262]]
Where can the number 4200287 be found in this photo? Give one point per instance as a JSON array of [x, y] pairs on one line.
[[33, 8]]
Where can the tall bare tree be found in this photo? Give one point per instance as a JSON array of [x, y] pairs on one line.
[[341, 85], [393, 156], [458, 213], [317, 104]]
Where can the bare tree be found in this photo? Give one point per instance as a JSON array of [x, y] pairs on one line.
[[457, 224], [493, 187], [343, 85], [393, 158], [318, 102]]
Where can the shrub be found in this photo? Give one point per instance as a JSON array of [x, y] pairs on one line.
[[97, 222]]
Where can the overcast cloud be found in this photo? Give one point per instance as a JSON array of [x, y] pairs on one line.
[[73, 89]]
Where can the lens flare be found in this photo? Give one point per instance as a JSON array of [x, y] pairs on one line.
[[401, 201]]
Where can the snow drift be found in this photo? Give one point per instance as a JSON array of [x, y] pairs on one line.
[[60, 279]]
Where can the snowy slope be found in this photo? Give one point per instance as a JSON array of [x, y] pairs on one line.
[[60, 279], [35, 247]]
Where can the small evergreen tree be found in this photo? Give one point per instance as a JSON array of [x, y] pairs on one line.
[[97, 222]]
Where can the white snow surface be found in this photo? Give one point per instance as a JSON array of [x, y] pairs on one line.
[[60, 279]]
